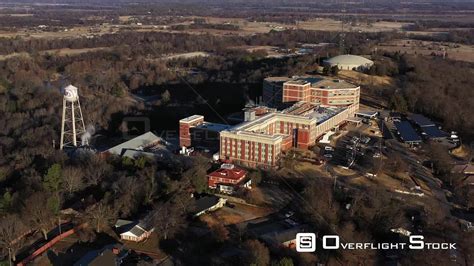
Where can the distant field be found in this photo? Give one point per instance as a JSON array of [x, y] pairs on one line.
[[60, 52], [326, 24], [245, 27], [453, 50]]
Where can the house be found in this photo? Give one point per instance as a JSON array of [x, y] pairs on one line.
[[110, 255], [285, 238], [133, 230], [208, 204], [229, 178], [277, 233]]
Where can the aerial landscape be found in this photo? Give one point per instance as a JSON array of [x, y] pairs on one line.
[[236, 132]]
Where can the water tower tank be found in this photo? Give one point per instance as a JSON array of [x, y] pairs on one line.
[[70, 93]]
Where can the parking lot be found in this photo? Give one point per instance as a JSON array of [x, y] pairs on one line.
[[356, 148]]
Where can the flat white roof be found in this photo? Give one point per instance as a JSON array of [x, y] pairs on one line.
[[317, 116], [191, 118], [213, 126]]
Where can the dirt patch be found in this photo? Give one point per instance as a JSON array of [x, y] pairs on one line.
[[367, 80]]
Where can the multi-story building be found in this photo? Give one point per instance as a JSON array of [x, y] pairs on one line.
[[318, 90], [194, 131], [272, 90], [262, 141], [318, 106]]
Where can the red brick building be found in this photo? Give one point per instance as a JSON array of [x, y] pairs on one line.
[[228, 179], [322, 104], [194, 131], [326, 91]]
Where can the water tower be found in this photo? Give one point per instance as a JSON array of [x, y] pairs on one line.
[[72, 124]]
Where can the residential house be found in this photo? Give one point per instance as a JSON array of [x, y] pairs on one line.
[[110, 255], [208, 204], [133, 230], [277, 233]]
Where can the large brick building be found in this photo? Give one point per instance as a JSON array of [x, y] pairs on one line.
[[262, 141], [194, 131], [318, 105], [318, 90]]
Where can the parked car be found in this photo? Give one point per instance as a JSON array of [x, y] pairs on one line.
[[328, 148]]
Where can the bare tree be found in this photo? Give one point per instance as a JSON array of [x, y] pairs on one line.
[[258, 253], [100, 215], [72, 177], [220, 232], [97, 169], [168, 218], [11, 235], [37, 214]]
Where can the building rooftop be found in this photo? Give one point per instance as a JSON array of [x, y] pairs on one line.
[[433, 132], [421, 120], [191, 118], [233, 173], [329, 83], [349, 59], [407, 132], [321, 82], [297, 82], [213, 126], [277, 79], [137, 228], [137, 143], [299, 112], [103, 257], [322, 114], [206, 202]]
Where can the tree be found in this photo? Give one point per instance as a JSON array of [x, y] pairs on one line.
[[334, 70], [165, 96], [284, 262], [257, 253], [256, 177], [220, 232], [441, 159], [197, 174], [151, 187], [321, 202], [100, 215], [96, 170], [53, 179], [168, 218], [398, 102], [36, 214], [72, 179], [326, 70], [11, 235], [6, 202]]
